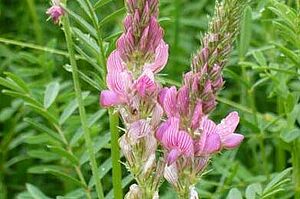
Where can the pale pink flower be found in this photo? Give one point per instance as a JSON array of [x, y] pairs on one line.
[[160, 59], [226, 130], [119, 84]]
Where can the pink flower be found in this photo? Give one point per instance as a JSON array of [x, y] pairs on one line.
[[115, 63], [226, 130], [55, 11], [209, 141], [118, 84], [177, 142], [145, 85], [161, 58], [175, 103]]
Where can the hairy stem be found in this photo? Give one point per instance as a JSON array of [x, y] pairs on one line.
[[115, 153], [88, 140]]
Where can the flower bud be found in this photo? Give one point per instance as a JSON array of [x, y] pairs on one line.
[[171, 174], [134, 192], [55, 11], [193, 193]]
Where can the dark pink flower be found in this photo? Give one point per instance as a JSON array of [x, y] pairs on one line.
[[209, 141], [177, 142], [175, 103]]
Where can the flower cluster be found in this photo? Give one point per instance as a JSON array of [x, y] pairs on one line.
[[55, 11], [187, 136], [131, 69]]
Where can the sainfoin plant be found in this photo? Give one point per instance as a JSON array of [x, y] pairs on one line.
[[175, 120]]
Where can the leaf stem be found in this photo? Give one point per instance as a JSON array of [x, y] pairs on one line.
[[115, 152], [88, 140]]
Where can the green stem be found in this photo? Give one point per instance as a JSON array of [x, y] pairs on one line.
[[115, 153], [36, 24], [296, 166], [88, 140], [113, 118]]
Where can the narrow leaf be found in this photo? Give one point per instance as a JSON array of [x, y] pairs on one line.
[[51, 93]]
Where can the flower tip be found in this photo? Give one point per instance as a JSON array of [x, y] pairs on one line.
[[232, 141]]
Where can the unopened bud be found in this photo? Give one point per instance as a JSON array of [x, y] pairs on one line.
[[134, 192]]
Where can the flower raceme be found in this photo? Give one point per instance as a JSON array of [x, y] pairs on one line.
[[188, 137], [208, 139]]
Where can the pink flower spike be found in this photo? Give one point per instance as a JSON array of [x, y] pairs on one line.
[[114, 62], [109, 98], [161, 58]]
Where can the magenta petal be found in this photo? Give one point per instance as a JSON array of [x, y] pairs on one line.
[[172, 156], [198, 113], [161, 58], [161, 95], [232, 141], [145, 84], [114, 62], [170, 102], [213, 143], [109, 98], [185, 143], [229, 124], [183, 100], [119, 82], [162, 129]]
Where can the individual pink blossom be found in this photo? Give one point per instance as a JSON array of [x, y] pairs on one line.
[[145, 84], [119, 84], [209, 141], [177, 142], [55, 11], [160, 59], [226, 130], [175, 103]]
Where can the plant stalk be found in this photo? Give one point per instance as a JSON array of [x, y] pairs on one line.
[[88, 140], [115, 153], [296, 166], [36, 24]]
